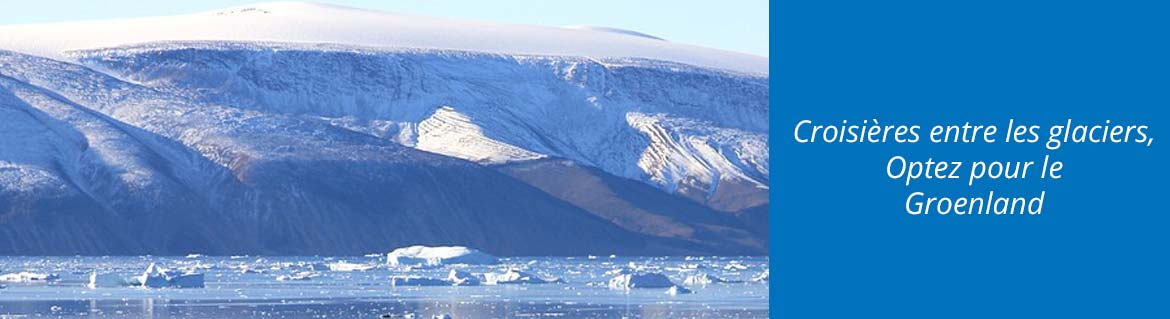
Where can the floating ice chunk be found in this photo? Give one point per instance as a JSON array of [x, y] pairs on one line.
[[26, 276], [316, 266], [157, 277], [640, 280], [703, 279], [735, 265], [677, 290], [464, 278], [513, 276], [399, 281], [187, 280], [106, 280], [442, 316], [194, 256], [304, 275], [619, 271], [435, 256], [245, 269], [153, 277], [686, 267], [348, 266], [762, 277]]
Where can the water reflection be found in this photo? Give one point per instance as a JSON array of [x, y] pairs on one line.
[[150, 308]]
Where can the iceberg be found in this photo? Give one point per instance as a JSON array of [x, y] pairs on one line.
[[464, 278], [153, 277], [26, 276], [316, 266], [640, 280], [300, 276], [157, 277], [513, 276], [437, 256], [186, 280], [345, 266], [677, 290], [402, 281], [762, 277], [703, 279], [106, 280]]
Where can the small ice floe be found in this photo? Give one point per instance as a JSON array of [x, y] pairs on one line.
[[26, 276], [344, 266], [405, 281], [640, 280], [762, 277], [703, 279], [299, 276], [194, 256], [442, 316], [513, 277], [463, 278], [186, 280], [437, 256], [618, 271], [735, 265], [157, 277], [316, 266], [685, 268], [244, 269], [677, 290], [106, 280]]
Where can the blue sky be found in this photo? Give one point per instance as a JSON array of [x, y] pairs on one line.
[[737, 25]]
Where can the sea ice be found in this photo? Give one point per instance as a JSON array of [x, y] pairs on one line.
[[316, 266], [157, 277], [762, 277], [26, 276], [348, 266], [304, 275], [640, 280], [463, 278], [677, 290], [513, 276], [703, 279], [187, 280], [153, 277], [436, 256], [398, 281], [105, 280]]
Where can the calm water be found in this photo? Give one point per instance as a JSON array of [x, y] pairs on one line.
[[232, 293]]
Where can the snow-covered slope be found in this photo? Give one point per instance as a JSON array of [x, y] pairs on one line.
[[317, 23], [684, 129], [300, 128]]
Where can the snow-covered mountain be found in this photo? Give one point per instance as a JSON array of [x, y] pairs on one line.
[[305, 128]]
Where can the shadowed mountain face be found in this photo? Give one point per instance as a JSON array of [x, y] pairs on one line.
[[640, 208], [235, 149]]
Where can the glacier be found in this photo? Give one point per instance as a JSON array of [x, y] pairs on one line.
[[289, 139]]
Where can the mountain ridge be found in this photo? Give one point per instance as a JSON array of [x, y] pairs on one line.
[[299, 22], [269, 147]]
